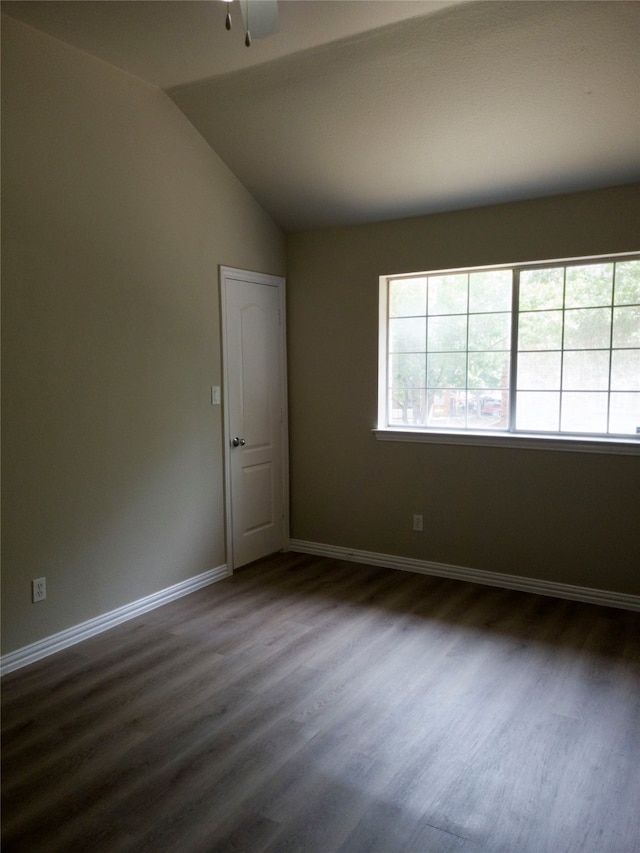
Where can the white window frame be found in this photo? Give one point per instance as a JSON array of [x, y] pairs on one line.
[[512, 438]]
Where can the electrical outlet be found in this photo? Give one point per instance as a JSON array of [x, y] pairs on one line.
[[38, 589], [417, 522]]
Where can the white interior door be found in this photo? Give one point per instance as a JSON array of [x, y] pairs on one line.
[[255, 403]]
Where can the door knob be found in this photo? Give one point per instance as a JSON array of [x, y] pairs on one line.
[[238, 442]]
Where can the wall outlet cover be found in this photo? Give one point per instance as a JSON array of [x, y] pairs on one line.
[[38, 589]]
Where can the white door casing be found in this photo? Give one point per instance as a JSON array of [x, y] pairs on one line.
[[255, 414]]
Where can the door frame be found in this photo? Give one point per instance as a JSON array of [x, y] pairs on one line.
[[227, 276]]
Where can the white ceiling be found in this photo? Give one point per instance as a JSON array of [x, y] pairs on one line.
[[173, 42], [362, 110]]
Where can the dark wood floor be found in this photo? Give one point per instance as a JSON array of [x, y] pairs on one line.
[[311, 705]]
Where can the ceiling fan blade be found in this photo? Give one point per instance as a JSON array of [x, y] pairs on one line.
[[260, 17]]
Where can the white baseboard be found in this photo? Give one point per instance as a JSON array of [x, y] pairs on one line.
[[56, 642], [426, 567]]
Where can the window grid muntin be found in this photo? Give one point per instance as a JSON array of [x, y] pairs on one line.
[[513, 373], [562, 348], [468, 391], [512, 388], [613, 302]]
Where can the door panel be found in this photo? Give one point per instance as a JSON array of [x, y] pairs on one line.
[[255, 414]]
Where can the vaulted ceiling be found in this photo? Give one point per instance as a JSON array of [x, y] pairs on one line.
[[363, 110]]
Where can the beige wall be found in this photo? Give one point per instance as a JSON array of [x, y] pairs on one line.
[[116, 215], [566, 517]]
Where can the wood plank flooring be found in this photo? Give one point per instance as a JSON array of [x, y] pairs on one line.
[[307, 704]]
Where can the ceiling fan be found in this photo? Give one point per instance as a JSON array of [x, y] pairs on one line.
[[260, 18]]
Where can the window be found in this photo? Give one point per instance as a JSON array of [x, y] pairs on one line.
[[546, 350]]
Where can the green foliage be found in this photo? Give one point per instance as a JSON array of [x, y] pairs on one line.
[[450, 343], [490, 291], [627, 283], [448, 294], [541, 289], [408, 297], [626, 326], [588, 286]]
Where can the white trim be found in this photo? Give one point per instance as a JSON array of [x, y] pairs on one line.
[[69, 637], [617, 444], [528, 441], [559, 262], [383, 348], [602, 597]]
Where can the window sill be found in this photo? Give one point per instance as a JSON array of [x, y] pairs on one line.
[[527, 441]]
